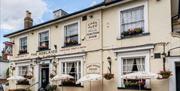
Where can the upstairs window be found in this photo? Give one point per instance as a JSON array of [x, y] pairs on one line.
[[132, 21], [71, 35], [23, 45], [44, 40]]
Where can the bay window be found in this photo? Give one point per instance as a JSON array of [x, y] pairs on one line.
[[132, 21], [44, 40], [71, 34], [73, 69], [23, 45]]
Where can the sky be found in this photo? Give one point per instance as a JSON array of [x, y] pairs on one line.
[[12, 12]]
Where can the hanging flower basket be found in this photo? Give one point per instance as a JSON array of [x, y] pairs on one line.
[[108, 76], [51, 75], [28, 76], [165, 74]]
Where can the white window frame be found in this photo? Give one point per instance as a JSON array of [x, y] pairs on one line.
[[72, 58], [131, 6], [79, 33], [38, 34], [21, 70], [20, 42], [121, 56]]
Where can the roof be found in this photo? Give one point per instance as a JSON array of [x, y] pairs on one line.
[[66, 16]]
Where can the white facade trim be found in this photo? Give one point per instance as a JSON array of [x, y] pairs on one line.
[[71, 56], [130, 6], [79, 30], [146, 47], [49, 37], [172, 67], [120, 56]]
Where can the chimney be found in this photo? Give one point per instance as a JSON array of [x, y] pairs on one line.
[[108, 1], [59, 13], [28, 21]]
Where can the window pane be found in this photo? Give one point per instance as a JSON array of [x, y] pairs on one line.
[[132, 18]]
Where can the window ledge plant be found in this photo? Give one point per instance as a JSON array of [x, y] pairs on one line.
[[131, 32], [22, 51], [134, 84]]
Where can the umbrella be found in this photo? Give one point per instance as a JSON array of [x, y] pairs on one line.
[[140, 75], [16, 78], [89, 77], [62, 77]]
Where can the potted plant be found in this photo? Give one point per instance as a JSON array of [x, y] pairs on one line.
[[23, 82], [28, 76], [52, 75], [68, 82], [165, 74], [134, 84], [51, 88], [108, 76], [22, 51]]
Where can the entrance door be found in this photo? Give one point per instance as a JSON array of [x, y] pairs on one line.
[[177, 78], [44, 76]]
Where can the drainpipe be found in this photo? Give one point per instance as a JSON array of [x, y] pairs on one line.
[[102, 63]]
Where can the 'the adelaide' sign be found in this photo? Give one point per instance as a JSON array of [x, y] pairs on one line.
[[92, 30]]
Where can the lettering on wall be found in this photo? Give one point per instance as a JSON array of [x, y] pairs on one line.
[[93, 68], [93, 30], [44, 53]]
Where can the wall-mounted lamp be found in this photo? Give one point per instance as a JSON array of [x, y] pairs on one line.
[[110, 63]]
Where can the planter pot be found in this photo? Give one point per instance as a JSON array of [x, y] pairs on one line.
[[165, 74], [108, 76]]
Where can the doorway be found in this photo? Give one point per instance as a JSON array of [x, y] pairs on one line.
[[44, 77], [177, 76]]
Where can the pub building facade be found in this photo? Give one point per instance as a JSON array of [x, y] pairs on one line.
[[124, 36]]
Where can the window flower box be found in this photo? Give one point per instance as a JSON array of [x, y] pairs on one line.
[[134, 83], [23, 82], [43, 48], [68, 83], [22, 51], [165, 74], [71, 42], [132, 32]]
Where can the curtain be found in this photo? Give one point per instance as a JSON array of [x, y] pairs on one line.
[[132, 18], [69, 67], [128, 65], [140, 64]]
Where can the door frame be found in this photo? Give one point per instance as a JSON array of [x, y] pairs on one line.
[[43, 62], [172, 67], [40, 78]]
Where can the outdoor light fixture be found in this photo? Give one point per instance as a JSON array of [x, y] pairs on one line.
[[110, 63]]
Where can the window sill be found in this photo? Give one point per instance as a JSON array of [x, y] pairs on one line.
[[70, 46], [71, 86], [43, 50], [23, 53], [133, 36], [148, 89]]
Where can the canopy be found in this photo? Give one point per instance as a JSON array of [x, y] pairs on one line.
[[16, 78], [89, 77], [62, 77], [140, 75]]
